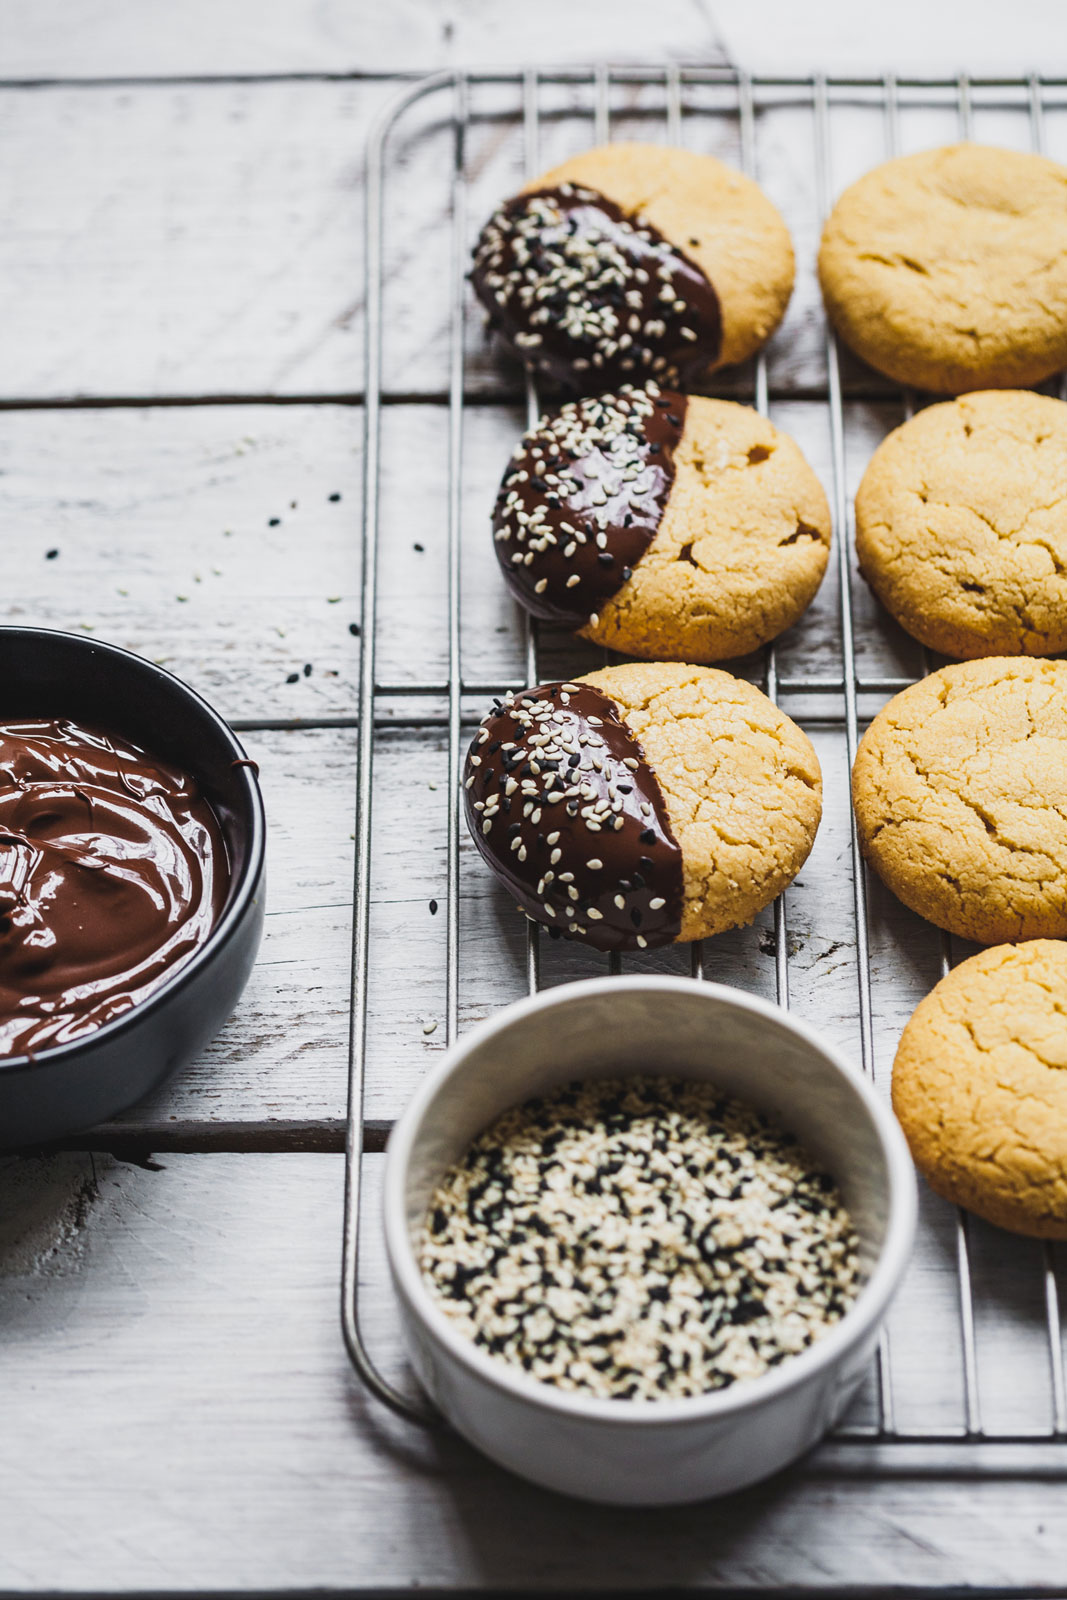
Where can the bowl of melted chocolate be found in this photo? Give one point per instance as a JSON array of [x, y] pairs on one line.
[[131, 880]]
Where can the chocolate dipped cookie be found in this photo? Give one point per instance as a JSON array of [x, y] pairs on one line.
[[642, 805], [635, 260], [663, 526]]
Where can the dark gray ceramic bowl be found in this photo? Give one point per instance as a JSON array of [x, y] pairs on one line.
[[71, 1087]]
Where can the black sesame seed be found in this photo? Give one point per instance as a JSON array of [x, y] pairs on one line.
[[50, 555], [274, 522], [333, 497], [354, 629], [433, 908]]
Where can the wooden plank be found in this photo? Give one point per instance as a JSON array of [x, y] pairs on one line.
[[174, 1380], [227, 263], [412, 36], [912, 38], [232, 264], [161, 520], [161, 524]]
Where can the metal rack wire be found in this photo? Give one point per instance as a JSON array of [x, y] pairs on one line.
[[817, 95]]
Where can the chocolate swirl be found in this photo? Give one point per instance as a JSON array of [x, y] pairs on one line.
[[583, 498], [565, 808], [591, 296], [113, 870]]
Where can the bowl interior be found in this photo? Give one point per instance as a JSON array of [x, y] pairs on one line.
[[47, 674], [618, 1027]]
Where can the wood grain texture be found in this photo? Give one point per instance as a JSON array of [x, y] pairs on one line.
[[161, 524], [409, 36], [227, 261], [174, 1380], [231, 263]]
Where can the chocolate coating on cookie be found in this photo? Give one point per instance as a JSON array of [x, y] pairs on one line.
[[583, 498], [591, 296], [565, 808]]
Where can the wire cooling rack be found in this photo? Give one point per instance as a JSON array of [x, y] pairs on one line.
[[972, 1339]]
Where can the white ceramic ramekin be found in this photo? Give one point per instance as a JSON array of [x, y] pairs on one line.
[[661, 1452]]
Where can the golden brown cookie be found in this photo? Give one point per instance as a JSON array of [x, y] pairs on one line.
[[635, 260], [642, 804], [665, 527], [961, 525], [980, 1087], [960, 790], [948, 269]]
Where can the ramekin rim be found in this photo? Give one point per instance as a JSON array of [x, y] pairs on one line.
[[865, 1312]]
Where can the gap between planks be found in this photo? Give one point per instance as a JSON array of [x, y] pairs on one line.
[[186, 80], [501, 399], [234, 1138]]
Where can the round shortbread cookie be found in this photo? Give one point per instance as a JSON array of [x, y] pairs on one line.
[[642, 804], [666, 527], [961, 525], [960, 790], [980, 1087], [948, 269], [634, 261]]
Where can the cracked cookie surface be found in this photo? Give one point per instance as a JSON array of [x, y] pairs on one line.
[[961, 525], [740, 780], [948, 269], [739, 553], [980, 1087], [663, 526], [960, 791]]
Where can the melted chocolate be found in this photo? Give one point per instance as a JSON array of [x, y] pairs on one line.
[[565, 808], [113, 870], [593, 297], [583, 499]]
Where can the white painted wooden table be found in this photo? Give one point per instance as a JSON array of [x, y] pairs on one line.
[[181, 379]]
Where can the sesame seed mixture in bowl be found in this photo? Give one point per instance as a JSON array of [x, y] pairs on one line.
[[639, 1238]]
